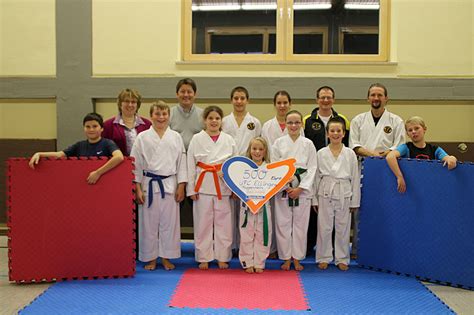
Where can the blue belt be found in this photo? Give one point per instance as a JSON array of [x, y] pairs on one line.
[[154, 178]]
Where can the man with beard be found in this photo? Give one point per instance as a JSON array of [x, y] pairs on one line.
[[374, 133]]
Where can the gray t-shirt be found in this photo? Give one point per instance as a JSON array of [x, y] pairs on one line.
[[187, 124]]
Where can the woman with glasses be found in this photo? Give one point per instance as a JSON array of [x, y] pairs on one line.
[[124, 128]]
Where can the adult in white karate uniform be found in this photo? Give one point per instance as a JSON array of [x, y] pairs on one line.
[[338, 192], [242, 127], [293, 204], [160, 176], [255, 229], [374, 133], [211, 207]]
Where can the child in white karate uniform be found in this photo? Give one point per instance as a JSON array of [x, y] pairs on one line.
[[160, 177], [338, 194], [207, 151], [255, 229], [272, 130], [293, 204]]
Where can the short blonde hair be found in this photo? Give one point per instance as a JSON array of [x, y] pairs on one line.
[[417, 120], [266, 157], [160, 105], [128, 93]]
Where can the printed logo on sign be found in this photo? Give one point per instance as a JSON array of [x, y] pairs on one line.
[[255, 185]]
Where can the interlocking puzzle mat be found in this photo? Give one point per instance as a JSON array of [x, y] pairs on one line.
[[62, 228], [234, 288], [357, 291], [428, 231]]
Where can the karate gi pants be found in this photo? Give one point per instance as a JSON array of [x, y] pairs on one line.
[[160, 233], [252, 252], [333, 212], [212, 228], [292, 228]]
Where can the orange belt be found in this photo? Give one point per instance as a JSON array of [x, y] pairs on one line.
[[209, 168]]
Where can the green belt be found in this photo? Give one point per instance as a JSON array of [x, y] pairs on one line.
[[296, 202], [265, 223]]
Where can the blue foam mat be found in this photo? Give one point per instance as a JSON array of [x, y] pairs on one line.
[[426, 232], [357, 291]]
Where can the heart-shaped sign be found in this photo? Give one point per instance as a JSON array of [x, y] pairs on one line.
[[255, 185]]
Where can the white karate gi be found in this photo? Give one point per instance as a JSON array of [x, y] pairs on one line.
[[292, 222], [253, 252], [248, 129], [212, 217], [387, 135], [270, 132], [159, 224], [338, 189]]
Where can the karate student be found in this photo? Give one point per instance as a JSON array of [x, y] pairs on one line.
[[374, 133], [160, 177], [242, 127], [293, 204], [240, 124], [417, 149], [338, 194], [255, 229], [211, 205], [95, 145], [272, 130]]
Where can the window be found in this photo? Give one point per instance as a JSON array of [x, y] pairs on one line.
[[285, 30]]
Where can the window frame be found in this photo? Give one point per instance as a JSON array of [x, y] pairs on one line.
[[284, 40], [354, 30]]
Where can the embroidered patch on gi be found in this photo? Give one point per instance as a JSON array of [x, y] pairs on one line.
[[251, 126], [316, 126], [387, 129]]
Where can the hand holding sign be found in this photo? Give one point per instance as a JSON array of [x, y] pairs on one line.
[[255, 185]]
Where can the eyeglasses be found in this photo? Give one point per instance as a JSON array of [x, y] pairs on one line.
[[295, 123], [329, 98], [130, 101]]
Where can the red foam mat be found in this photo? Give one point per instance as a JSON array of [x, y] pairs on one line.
[[236, 289], [62, 228]]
